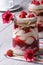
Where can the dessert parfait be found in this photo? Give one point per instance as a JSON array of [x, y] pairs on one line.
[[25, 33], [40, 25], [37, 7]]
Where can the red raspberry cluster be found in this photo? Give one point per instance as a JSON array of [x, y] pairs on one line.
[[37, 2], [23, 14]]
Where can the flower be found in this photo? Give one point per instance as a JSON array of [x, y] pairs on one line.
[[7, 16], [29, 55]]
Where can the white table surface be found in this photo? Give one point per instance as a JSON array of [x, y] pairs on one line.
[[6, 43]]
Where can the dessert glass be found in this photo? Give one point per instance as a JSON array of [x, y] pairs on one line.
[[40, 26], [25, 35], [37, 7]]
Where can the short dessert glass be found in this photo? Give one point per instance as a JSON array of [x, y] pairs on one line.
[[25, 35]]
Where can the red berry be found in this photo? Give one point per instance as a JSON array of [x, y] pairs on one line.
[[22, 14], [7, 16], [37, 3], [41, 1], [9, 53], [29, 55], [31, 15], [33, 1]]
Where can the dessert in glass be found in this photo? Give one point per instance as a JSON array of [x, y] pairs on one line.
[[40, 25], [37, 7], [25, 34]]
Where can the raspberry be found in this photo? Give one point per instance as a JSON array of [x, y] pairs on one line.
[[33, 1], [29, 55], [37, 3], [31, 15], [22, 14], [41, 1]]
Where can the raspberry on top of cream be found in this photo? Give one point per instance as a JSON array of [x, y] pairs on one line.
[[36, 5], [26, 18]]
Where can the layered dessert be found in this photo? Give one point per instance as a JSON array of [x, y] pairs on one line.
[[37, 7], [40, 25], [25, 33]]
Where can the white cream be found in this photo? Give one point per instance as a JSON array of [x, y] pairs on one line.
[[29, 40], [26, 20], [25, 36], [18, 50], [35, 7]]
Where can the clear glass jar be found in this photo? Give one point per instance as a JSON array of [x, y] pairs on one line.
[[25, 35]]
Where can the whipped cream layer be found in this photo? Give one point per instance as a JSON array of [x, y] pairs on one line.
[[35, 7], [26, 20], [18, 50]]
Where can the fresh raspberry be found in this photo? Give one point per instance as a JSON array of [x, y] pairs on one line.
[[37, 3], [33, 1], [22, 14], [31, 15], [9, 53], [41, 1], [7, 16], [29, 55]]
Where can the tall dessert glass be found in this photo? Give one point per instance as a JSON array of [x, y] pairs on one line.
[[25, 34]]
